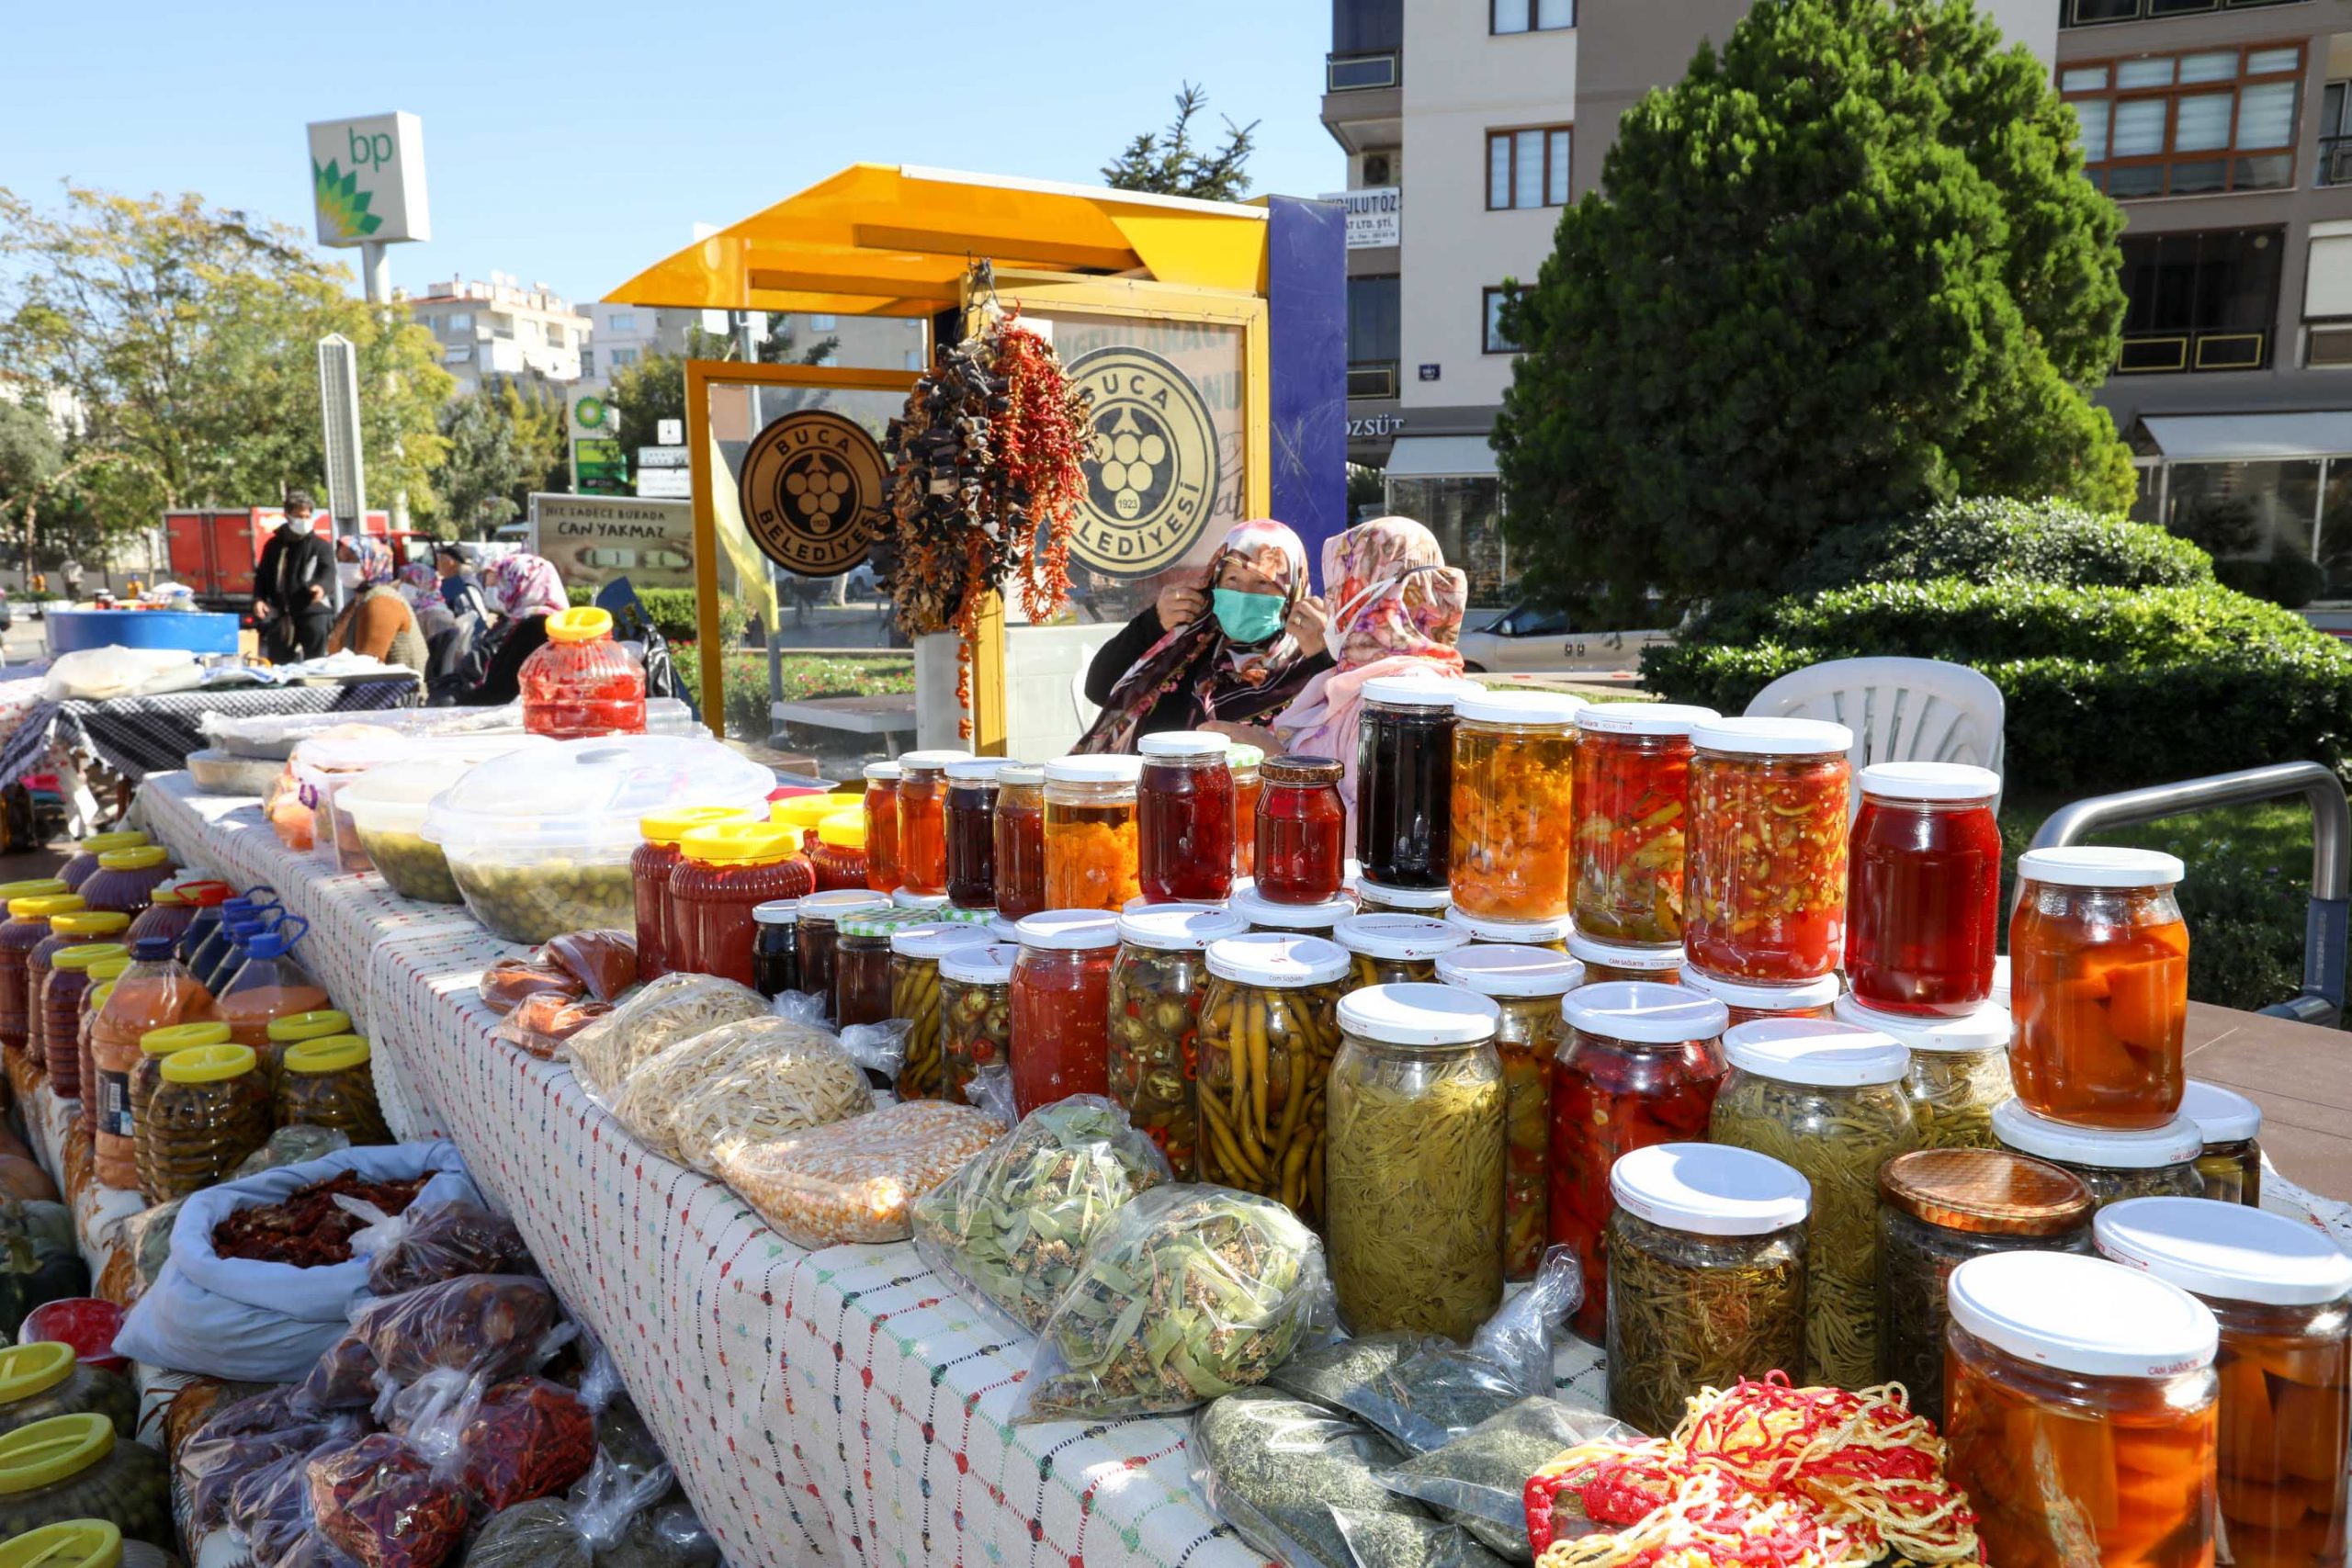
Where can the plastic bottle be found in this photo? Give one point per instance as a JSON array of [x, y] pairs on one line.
[[581, 683], [269, 986], [157, 992]]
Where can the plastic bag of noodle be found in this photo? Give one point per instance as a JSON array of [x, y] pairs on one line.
[[739, 1083], [654, 1017], [1276, 1469]]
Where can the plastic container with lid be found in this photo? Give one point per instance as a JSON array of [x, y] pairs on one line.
[[915, 954], [207, 900], [970, 831], [580, 683], [1061, 1007], [62, 990], [2080, 1408], [1185, 821], [1924, 888], [1091, 848], [776, 947], [125, 880], [1553, 933], [82, 1543], [1936, 1209], [1748, 1002], [804, 813], [725, 871], [2281, 1293], [1514, 762], [172, 909], [331, 1083], [1264, 915], [43, 1378], [74, 1468], [1631, 817], [1415, 1160], [841, 863], [147, 1077], [650, 865], [1659, 963], [1639, 1064], [67, 928], [1825, 1098], [1020, 839], [157, 992], [2140, 1162], [1269, 1029], [1765, 875], [817, 937], [1390, 950], [2231, 1126], [211, 1109], [1404, 805], [1706, 1276], [880, 806], [975, 1013], [2098, 984], [102, 976], [1527, 984], [539, 842], [25, 929], [1158, 982], [1248, 782], [923, 819], [83, 863], [1959, 1073], [218, 956], [1300, 831]]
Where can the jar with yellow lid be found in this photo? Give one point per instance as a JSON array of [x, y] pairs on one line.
[[331, 1082], [45, 1377], [27, 924], [83, 863], [729, 869], [72, 1468], [649, 867], [210, 1111], [840, 860], [282, 1034], [581, 683], [145, 1079], [61, 991], [169, 911], [82, 1543], [804, 813], [103, 976], [125, 880], [78, 927]]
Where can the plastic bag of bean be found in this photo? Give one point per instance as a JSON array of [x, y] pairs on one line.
[[378, 1500], [854, 1180], [604, 961], [490, 1324], [429, 1245]]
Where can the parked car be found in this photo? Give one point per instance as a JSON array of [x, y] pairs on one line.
[[1535, 638]]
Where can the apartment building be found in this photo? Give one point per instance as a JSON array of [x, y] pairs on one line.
[[498, 328]]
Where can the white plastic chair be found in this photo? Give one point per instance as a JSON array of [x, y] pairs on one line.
[[1901, 710]]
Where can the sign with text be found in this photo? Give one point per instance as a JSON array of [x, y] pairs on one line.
[[592, 539], [666, 484], [813, 491], [1375, 217], [599, 467], [367, 180]]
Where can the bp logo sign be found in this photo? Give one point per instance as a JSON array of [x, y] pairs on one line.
[[1151, 464], [812, 492]]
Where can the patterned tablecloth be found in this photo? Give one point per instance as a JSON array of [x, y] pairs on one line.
[[137, 736]]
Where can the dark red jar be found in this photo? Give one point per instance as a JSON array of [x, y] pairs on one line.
[[1923, 906], [649, 867], [730, 869], [1061, 1007], [1301, 831], [971, 833], [1184, 820]]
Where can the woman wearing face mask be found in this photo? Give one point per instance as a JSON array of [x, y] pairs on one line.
[[376, 618], [523, 591], [1224, 654]]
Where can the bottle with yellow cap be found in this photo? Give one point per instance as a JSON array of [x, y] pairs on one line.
[[331, 1082], [581, 683], [67, 928], [61, 992], [25, 929], [126, 879], [146, 1078], [82, 1543], [83, 863], [71, 1468], [649, 868], [44, 1379], [156, 992], [210, 1111], [726, 871]]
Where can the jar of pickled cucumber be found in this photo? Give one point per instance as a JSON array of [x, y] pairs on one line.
[[1553, 933], [1393, 949], [819, 937], [1748, 1002], [2231, 1124], [1295, 919], [1376, 898], [1706, 1276], [1157, 983], [1659, 963], [1937, 1208], [2148, 1162], [2081, 1411], [1514, 760], [1527, 984], [976, 1012], [1091, 843], [915, 952], [1269, 1027], [1415, 1160], [210, 1111], [282, 1034], [331, 1083], [1959, 1073]]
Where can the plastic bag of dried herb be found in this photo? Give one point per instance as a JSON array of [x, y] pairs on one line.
[[1328, 1373], [1385, 1541], [1479, 1479], [1275, 1469], [1010, 1227]]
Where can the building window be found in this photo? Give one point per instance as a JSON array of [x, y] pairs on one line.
[[2095, 13], [2219, 119], [1527, 168], [1375, 311], [462, 320], [820, 323], [588, 362], [620, 322], [2336, 136], [2206, 301], [623, 356], [1529, 16], [1491, 310]]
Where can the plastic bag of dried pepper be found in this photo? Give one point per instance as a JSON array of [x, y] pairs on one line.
[[510, 982], [497, 1324], [541, 1024], [435, 1242], [378, 1500], [607, 1521], [269, 1507], [506, 1443], [604, 961], [235, 1441]]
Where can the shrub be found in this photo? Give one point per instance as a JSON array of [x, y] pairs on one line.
[[672, 613], [2291, 581], [1982, 538]]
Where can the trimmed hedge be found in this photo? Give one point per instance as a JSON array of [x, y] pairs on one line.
[[672, 611], [1987, 537]]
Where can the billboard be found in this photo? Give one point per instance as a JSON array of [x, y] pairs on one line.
[[367, 180], [592, 539]]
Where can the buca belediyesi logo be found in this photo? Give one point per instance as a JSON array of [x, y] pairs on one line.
[[812, 490], [1151, 464]]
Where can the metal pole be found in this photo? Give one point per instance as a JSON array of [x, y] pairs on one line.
[[376, 278]]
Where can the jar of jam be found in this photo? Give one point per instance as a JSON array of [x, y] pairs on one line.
[[880, 804], [1527, 984], [1300, 830], [2099, 985], [1246, 763], [27, 924], [923, 820], [1184, 818], [581, 683], [841, 863], [820, 915], [1270, 1027], [1631, 799], [1552, 933], [1091, 849], [2082, 1411], [862, 965], [1372, 898], [1389, 950], [976, 1012], [61, 1011], [2231, 1124], [1514, 761], [1020, 839], [1959, 1071], [1404, 779], [1640, 1065], [776, 947], [971, 833], [1924, 888], [649, 867], [1766, 874], [915, 952], [125, 880], [727, 870], [1306, 919], [1748, 1002], [2117, 1162], [1157, 983], [1061, 1005], [83, 863]]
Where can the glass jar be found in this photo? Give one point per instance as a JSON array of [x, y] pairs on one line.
[[1299, 919], [1404, 779], [1514, 762], [2143, 1162], [1639, 1064], [83, 863], [2081, 1411], [1246, 763], [1826, 1099], [1925, 889], [841, 863], [1806, 998], [1091, 839], [725, 871], [971, 833], [61, 1011], [1605, 962], [1552, 933], [1061, 1005], [975, 1013], [1937, 1208], [1958, 1072], [581, 683], [1527, 984], [923, 820], [1415, 1153], [1020, 840], [1184, 818], [915, 952], [862, 966], [649, 867], [2281, 1293], [1706, 1276], [2231, 1124], [125, 880], [1299, 830], [1269, 1029], [1157, 983], [880, 804], [1631, 799], [72, 928], [1765, 877], [148, 1074], [211, 1109], [776, 947], [2099, 984], [1393, 949], [331, 1083], [819, 934], [1373, 898]]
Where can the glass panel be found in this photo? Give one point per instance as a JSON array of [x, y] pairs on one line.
[[2093, 113], [2267, 115], [1497, 170], [2179, 7], [2263, 62], [1527, 175], [2138, 127], [1556, 13], [2272, 170], [1556, 178], [2245, 510], [2331, 110], [1372, 319], [2136, 179], [2085, 79], [1466, 514], [2202, 124], [2334, 543], [2086, 12], [1510, 15], [2202, 177], [1367, 26], [2218, 65], [1495, 340], [2156, 72]]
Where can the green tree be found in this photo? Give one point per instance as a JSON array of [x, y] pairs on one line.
[[1846, 267], [1165, 163]]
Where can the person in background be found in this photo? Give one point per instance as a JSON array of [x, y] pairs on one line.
[[293, 597], [376, 619], [460, 590], [71, 571], [523, 591], [1224, 652]]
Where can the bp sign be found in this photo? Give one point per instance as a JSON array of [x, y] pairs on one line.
[[1151, 464], [813, 489], [367, 180]]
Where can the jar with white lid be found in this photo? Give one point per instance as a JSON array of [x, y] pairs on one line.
[[1633, 784], [2079, 1399], [1959, 1069], [1184, 817], [915, 952], [1416, 1161], [1749, 1001], [2098, 984], [1393, 949], [1552, 933], [2147, 1162], [1826, 1099], [1377, 898], [1659, 963], [1764, 886], [975, 1013], [880, 804], [1157, 983], [1091, 839], [970, 818], [2231, 1124], [1404, 805], [1514, 761], [2282, 1295], [1061, 1007], [1264, 915], [1526, 984], [1269, 1029], [1706, 1279], [1020, 839], [1925, 889], [923, 819]]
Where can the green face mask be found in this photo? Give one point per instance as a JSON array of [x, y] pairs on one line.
[[1247, 617]]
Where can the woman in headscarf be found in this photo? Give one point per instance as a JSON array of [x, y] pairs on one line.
[[523, 591], [422, 589], [1224, 654], [376, 618]]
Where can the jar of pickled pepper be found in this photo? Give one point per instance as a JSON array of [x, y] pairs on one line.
[[1404, 805], [1372, 898], [1304, 919], [650, 866], [1748, 1002], [1389, 950], [976, 1012], [1091, 845], [1553, 933], [1514, 761], [1157, 983], [1925, 889], [1269, 1029], [1300, 832], [1630, 817], [1639, 1064], [2098, 984], [970, 832], [1765, 876], [923, 820], [915, 954], [727, 870], [2081, 1410], [1527, 984], [2117, 1162], [1020, 839], [818, 935], [2231, 1124], [1246, 763], [1061, 1007], [880, 804], [1184, 818], [1958, 1072], [1659, 963]]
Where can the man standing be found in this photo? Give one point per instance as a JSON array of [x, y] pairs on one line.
[[293, 587], [71, 571]]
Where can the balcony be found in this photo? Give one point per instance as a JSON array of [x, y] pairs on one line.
[[1372, 378], [2334, 167], [1364, 106]]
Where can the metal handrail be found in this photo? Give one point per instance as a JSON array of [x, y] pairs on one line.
[[2329, 918]]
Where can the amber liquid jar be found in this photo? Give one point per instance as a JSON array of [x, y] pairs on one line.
[[881, 807], [1020, 827], [923, 820]]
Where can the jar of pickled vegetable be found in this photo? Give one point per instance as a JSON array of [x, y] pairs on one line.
[[649, 867], [145, 1076], [2283, 1295], [1552, 933], [1924, 888], [1020, 840], [1300, 830], [1747, 1002], [1157, 983], [1514, 761], [1269, 1027], [1659, 963], [862, 966], [331, 1083], [1390, 950], [880, 804], [1264, 915], [1639, 1064], [819, 934], [211, 1109], [1404, 805], [726, 871], [1958, 1072], [1372, 898], [923, 820], [1527, 984], [1937, 1208], [1091, 846], [2098, 984], [1706, 1276], [976, 1012], [2231, 1124], [2141, 1162], [1415, 1156], [915, 952], [1184, 818], [2080, 1407], [971, 833], [1631, 799], [83, 863], [581, 683], [61, 1010], [1765, 876], [1246, 763], [1826, 1099], [1061, 1005], [776, 947]]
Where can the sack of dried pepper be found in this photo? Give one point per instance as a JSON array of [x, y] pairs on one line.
[[497, 1324], [378, 1500]]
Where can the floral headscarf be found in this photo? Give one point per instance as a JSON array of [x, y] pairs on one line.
[[420, 586], [373, 556], [520, 586]]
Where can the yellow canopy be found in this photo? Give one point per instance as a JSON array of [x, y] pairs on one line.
[[894, 240]]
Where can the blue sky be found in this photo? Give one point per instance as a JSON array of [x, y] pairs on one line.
[[575, 143]]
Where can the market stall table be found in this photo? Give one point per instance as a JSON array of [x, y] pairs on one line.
[[2301, 1076], [137, 736]]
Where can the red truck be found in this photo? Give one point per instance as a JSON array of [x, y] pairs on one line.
[[214, 552]]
